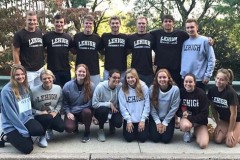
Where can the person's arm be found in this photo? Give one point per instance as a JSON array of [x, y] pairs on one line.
[[16, 55], [58, 106], [211, 60], [10, 111], [96, 102], [146, 108], [173, 108], [123, 106]]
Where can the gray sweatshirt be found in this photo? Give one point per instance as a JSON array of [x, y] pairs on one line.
[[134, 109], [103, 95], [167, 106]]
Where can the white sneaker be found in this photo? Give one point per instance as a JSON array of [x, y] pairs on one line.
[[49, 135], [187, 137], [101, 135], [42, 142]]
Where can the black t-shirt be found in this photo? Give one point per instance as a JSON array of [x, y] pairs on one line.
[[141, 46], [196, 103], [223, 100], [115, 51], [87, 47], [31, 49], [168, 48], [58, 46]]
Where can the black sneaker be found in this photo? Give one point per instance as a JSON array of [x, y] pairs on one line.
[[112, 128], [85, 137]]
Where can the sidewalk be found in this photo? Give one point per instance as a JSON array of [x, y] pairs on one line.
[[69, 146]]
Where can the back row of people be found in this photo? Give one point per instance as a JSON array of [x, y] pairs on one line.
[[167, 43], [147, 113]]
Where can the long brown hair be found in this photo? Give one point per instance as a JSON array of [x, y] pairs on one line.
[[86, 84], [138, 88], [15, 85], [156, 87]]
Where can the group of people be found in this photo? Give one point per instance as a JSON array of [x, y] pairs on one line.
[[145, 102]]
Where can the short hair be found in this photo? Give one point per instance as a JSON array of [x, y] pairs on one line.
[[58, 16], [190, 20], [31, 13], [115, 18], [167, 16], [142, 17], [112, 71], [88, 18], [48, 72]]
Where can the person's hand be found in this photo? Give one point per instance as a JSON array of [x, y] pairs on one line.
[[44, 112], [230, 138], [113, 108], [70, 116], [129, 127], [141, 126], [205, 81], [185, 114], [53, 114]]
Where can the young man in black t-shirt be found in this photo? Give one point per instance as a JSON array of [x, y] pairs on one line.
[[28, 49], [58, 45], [114, 48]]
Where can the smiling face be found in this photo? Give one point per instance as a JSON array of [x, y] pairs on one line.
[[88, 27], [221, 80], [59, 25], [192, 29], [115, 26], [141, 26], [163, 80], [31, 22], [131, 80], [189, 83], [168, 25], [81, 73], [114, 80], [19, 76], [47, 81]]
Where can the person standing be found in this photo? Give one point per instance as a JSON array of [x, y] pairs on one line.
[[58, 45], [77, 102], [198, 56], [225, 109], [193, 111], [47, 104], [141, 44], [105, 103], [168, 47], [135, 107], [17, 120], [114, 48], [87, 45], [28, 49], [165, 100]]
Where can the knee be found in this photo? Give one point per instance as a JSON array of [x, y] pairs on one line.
[[102, 111], [155, 139], [166, 140], [70, 128], [87, 112], [185, 127], [28, 149], [203, 145]]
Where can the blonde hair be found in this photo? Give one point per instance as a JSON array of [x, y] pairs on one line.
[[48, 72], [228, 74], [15, 85], [138, 88], [156, 86]]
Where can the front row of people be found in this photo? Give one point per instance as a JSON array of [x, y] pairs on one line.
[[147, 113]]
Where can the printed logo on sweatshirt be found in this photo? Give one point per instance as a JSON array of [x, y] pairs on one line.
[[35, 42], [132, 99], [116, 42], [168, 40], [191, 102], [142, 43], [46, 97], [24, 105], [192, 47], [88, 45], [219, 102], [60, 42]]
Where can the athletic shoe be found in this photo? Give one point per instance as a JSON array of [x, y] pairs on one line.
[[101, 135], [85, 137], [49, 135], [187, 137], [42, 142]]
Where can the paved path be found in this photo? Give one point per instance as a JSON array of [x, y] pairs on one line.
[[69, 146]]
